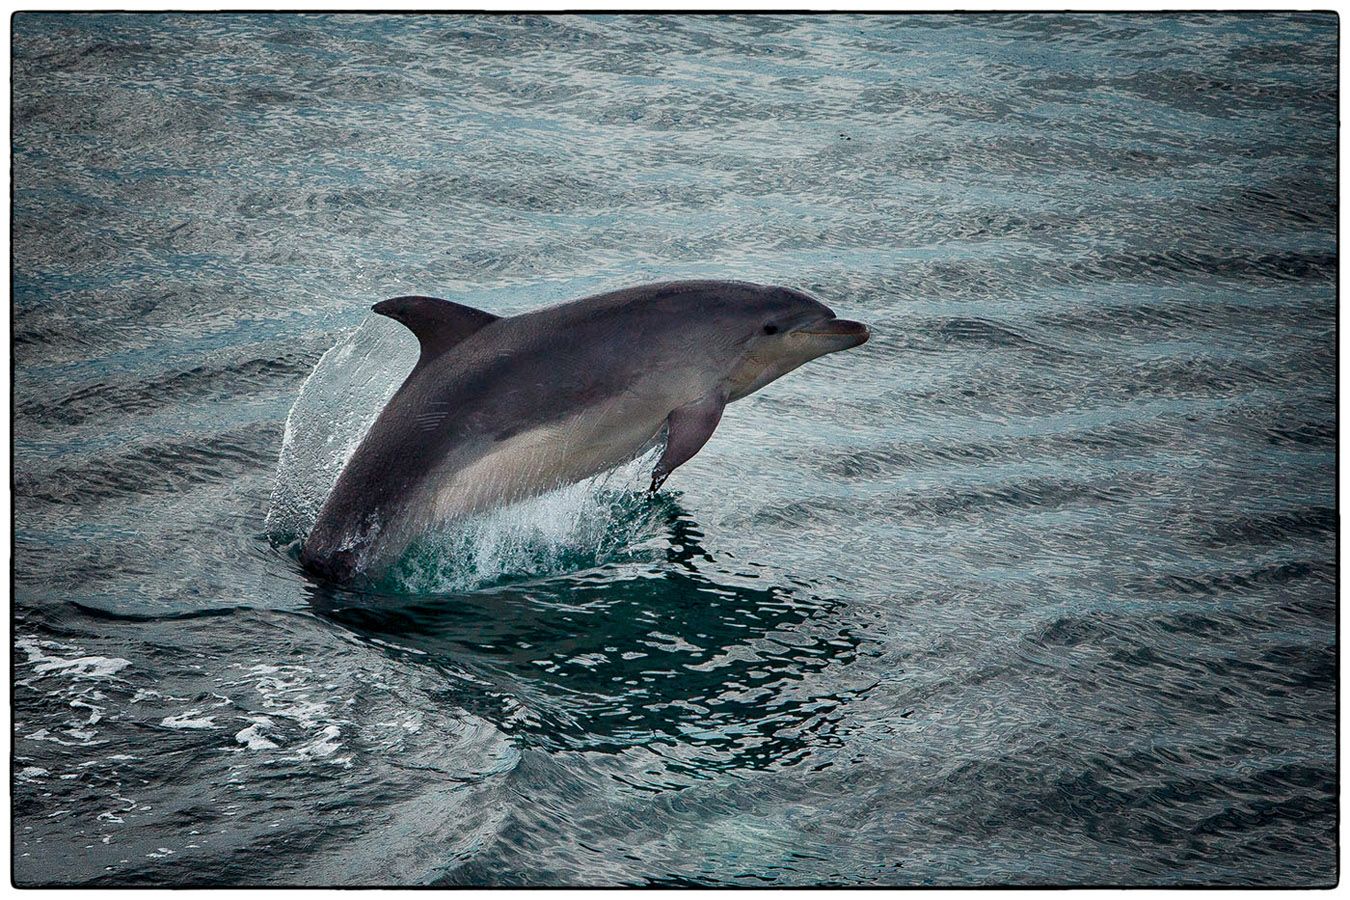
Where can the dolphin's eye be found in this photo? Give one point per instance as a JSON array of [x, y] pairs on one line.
[[771, 328]]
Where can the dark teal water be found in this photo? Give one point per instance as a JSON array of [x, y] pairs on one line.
[[1037, 586]]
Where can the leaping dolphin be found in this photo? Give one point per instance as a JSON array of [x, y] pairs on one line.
[[502, 408]]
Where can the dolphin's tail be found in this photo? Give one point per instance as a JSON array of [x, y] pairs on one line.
[[339, 566]]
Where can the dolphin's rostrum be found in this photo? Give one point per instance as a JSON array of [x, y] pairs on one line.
[[502, 408]]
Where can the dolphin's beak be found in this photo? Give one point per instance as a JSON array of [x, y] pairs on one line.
[[837, 334]]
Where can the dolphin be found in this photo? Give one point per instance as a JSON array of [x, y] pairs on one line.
[[498, 409]]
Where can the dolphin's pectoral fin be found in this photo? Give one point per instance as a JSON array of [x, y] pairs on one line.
[[687, 430], [438, 324]]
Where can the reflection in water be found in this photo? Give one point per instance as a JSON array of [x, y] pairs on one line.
[[710, 669]]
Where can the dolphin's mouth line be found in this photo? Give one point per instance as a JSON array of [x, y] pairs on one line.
[[836, 328]]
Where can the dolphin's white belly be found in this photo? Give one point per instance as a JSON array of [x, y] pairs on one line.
[[541, 459]]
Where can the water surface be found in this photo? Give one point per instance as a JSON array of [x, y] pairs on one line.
[[1037, 586]]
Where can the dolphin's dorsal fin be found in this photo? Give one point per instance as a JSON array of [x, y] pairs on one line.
[[438, 324]]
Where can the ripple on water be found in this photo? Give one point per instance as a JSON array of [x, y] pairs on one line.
[[1038, 586]]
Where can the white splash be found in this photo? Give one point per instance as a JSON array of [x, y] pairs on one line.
[[336, 407], [252, 736], [324, 745], [577, 526], [79, 667], [287, 693], [189, 720]]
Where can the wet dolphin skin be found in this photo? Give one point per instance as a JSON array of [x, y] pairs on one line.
[[501, 408]]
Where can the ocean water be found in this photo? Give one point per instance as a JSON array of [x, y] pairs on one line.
[[1037, 586]]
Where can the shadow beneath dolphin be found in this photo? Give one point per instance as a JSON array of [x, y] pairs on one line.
[[708, 668]]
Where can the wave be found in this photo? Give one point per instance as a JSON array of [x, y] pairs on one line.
[[113, 399], [165, 467]]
